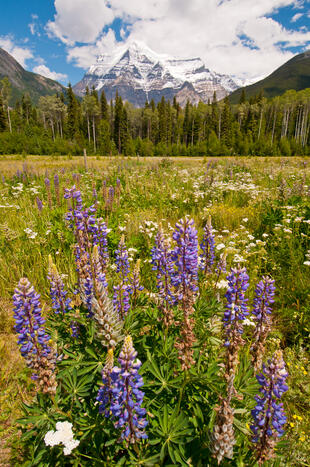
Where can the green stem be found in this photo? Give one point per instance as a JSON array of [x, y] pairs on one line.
[[182, 391]]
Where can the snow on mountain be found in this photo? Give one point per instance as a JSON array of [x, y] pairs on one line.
[[139, 74]]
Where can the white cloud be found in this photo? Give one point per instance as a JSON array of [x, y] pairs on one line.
[[21, 54], [296, 17], [218, 31], [45, 71], [33, 26], [79, 20]]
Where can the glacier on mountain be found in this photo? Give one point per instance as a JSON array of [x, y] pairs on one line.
[[139, 75]]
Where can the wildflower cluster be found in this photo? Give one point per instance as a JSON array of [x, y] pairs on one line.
[[264, 294], [207, 246], [123, 290], [61, 303], [184, 279], [162, 263], [63, 435], [32, 337], [268, 414], [121, 390]]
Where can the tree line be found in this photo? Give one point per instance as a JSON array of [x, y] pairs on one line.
[[64, 124]]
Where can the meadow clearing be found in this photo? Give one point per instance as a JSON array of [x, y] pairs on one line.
[[196, 353]]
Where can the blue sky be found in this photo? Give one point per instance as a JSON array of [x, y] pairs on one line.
[[245, 38]]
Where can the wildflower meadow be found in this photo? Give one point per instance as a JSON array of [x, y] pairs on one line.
[[154, 311]]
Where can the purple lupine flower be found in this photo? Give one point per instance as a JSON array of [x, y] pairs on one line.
[[60, 302], [109, 201], [221, 265], [127, 400], [207, 246], [75, 329], [162, 263], [264, 297], [48, 190], [184, 279], [100, 237], [105, 392], [95, 196], [234, 315], [97, 270], [56, 186], [39, 204], [236, 311], [32, 337], [185, 257], [87, 288], [268, 414], [236, 306], [122, 291]]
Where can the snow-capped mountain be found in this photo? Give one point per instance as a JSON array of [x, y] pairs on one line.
[[139, 75]]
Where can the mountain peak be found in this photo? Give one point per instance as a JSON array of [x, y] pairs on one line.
[[140, 74]]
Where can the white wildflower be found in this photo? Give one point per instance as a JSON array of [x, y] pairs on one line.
[[62, 435], [220, 246], [248, 322], [222, 284]]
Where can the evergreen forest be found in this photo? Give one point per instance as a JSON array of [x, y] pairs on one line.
[[65, 125]]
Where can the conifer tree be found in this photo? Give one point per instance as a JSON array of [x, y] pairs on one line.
[[104, 106], [118, 122], [2, 116], [72, 113]]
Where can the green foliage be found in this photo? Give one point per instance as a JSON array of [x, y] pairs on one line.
[[259, 219]]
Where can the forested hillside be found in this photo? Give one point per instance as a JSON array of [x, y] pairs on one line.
[[63, 125]]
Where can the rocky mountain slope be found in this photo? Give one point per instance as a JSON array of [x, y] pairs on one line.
[[294, 74], [23, 81], [139, 74]]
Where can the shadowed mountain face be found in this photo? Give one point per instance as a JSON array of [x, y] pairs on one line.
[[294, 74], [23, 81], [140, 75]]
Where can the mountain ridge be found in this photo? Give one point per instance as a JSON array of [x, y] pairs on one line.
[[293, 74], [24, 81], [139, 74]]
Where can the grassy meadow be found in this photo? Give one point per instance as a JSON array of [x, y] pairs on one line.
[[260, 211]]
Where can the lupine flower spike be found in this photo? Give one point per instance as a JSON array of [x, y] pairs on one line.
[[60, 302], [236, 310], [127, 401], [56, 186], [185, 258], [39, 204], [32, 337], [162, 263], [108, 322], [268, 414], [105, 392], [223, 436], [48, 190], [207, 246], [264, 294], [122, 291]]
